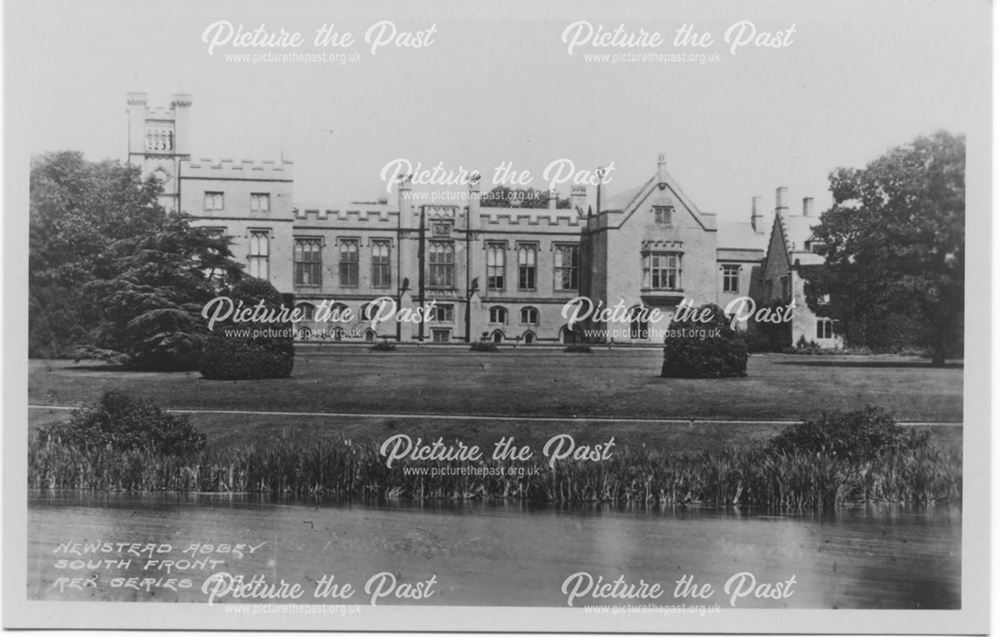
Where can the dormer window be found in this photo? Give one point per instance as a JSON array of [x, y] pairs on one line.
[[663, 215]]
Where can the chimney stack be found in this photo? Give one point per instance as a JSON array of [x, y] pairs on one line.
[[756, 218], [779, 199], [553, 199], [807, 206], [600, 184], [578, 199], [661, 167]]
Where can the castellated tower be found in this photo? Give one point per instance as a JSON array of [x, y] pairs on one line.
[[158, 141]]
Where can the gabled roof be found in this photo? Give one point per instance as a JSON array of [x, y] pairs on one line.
[[620, 201], [629, 200], [796, 230]]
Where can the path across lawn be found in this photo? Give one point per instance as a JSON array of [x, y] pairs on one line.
[[232, 428], [616, 384]]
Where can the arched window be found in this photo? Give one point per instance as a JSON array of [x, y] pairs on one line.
[[497, 337], [498, 314], [338, 313], [826, 328], [527, 257], [260, 254], [441, 262], [379, 309], [349, 263], [367, 310], [370, 335], [306, 310], [529, 315], [528, 337], [496, 255], [307, 261], [338, 334]]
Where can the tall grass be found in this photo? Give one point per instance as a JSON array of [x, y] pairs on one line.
[[761, 475]]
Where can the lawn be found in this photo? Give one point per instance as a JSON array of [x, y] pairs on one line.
[[479, 398], [226, 430], [620, 383]]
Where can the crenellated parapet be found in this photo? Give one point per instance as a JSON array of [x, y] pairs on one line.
[[238, 169], [437, 211], [529, 217], [347, 216]]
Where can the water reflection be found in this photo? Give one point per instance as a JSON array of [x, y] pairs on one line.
[[875, 556]]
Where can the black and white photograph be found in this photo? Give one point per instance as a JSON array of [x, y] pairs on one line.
[[620, 317]]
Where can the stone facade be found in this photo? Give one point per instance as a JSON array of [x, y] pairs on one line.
[[503, 274], [652, 247], [791, 248]]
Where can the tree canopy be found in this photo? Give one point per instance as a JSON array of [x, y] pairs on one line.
[[504, 197], [111, 274], [894, 247]]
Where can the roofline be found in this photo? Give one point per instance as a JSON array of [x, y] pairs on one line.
[[647, 188]]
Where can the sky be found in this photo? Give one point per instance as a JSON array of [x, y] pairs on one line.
[[498, 84]]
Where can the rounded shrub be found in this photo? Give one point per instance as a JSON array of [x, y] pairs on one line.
[[701, 344], [383, 346], [250, 350], [855, 435], [122, 422]]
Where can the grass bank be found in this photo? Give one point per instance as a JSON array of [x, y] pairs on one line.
[[230, 430], [619, 384]]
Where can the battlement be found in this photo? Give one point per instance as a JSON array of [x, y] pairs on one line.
[[381, 215], [440, 211], [238, 168], [531, 217]]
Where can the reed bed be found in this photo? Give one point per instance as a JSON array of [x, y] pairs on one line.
[[761, 475]]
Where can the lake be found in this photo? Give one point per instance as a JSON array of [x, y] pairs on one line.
[[163, 547]]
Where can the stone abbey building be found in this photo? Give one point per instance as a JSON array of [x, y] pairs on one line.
[[503, 274]]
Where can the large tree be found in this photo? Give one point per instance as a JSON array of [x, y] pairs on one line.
[[77, 209], [110, 272], [894, 246], [149, 311]]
